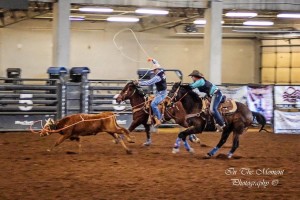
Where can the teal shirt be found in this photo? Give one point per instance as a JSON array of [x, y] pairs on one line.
[[200, 83]]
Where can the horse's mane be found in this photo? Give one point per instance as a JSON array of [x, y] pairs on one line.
[[139, 89]]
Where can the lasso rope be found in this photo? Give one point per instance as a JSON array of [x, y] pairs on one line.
[[137, 41], [139, 44]]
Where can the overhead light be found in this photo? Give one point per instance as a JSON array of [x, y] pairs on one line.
[[241, 14], [202, 22], [289, 15], [96, 9], [258, 23], [151, 11], [76, 18], [122, 19]]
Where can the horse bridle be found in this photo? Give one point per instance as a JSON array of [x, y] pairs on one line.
[[125, 93], [175, 95]]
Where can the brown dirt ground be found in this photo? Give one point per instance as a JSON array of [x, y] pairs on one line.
[[104, 171]]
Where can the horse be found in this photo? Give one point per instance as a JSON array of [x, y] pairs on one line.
[[140, 113], [237, 122]]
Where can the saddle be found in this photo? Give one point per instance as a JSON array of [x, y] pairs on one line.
[[226, 107]]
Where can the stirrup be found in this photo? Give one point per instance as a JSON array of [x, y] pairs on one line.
[[157, 122]]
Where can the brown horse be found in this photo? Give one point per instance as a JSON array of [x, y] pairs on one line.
[[138, 101], [197, 118]]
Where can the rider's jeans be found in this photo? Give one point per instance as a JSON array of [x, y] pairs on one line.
[[215, 102], [159, 97]]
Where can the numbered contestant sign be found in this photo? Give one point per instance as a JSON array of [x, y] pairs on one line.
[[27, 100]]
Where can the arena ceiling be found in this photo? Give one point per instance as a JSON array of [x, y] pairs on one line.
[[180, 18]]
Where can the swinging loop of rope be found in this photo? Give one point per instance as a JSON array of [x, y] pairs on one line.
[[137, 41]]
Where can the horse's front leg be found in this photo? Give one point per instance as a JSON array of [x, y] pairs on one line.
[[148, 134], [176, 145], [182, 136]]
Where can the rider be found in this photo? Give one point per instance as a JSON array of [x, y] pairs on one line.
[[161, 86], [211, 90]]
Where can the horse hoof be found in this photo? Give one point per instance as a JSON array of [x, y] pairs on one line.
[[115, 141], [198, 141], [128, 151], [207, 156], [147, 144], [229, 155], [175, 150]]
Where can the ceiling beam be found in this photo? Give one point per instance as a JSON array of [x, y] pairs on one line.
[[284, 5]]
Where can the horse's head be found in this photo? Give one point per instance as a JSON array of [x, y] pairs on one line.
[[178, 91], [50, 125], [128, 91]]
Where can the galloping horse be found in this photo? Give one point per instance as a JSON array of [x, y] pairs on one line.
[[140, 113], [236, 122]]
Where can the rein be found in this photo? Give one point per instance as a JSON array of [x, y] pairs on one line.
[[170, 114], [175, 95]]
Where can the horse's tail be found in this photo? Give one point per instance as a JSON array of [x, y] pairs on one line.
[[261, 120]]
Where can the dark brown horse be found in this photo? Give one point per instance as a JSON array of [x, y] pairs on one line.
[[140, 114], [197, 118]]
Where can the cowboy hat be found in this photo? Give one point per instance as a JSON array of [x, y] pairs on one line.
[[197, 74]]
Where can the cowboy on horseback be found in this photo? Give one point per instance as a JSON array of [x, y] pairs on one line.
[[211, 90], [161, 86]]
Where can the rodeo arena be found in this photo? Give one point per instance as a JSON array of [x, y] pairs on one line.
[[149, 99]]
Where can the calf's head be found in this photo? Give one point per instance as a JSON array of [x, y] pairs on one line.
[[50, 125]]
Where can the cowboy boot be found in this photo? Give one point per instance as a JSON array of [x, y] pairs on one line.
[[157, 122]]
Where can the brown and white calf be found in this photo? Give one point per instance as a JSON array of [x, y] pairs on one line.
[[73, 126]]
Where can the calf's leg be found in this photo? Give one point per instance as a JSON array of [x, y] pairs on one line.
[[128, 151], [60, 140]]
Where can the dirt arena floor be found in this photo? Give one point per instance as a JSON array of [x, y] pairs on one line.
[[266, 166]]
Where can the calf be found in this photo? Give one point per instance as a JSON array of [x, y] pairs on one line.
[[73, 126]]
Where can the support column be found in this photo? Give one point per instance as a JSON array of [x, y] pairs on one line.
[[61, 33], [213, 41]]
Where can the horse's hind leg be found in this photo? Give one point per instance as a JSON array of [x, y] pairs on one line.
[[235, 144], [225, 134]]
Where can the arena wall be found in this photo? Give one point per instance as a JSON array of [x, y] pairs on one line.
[[28, 45]]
